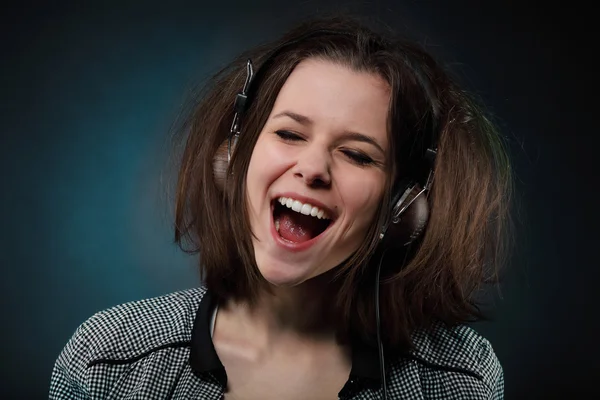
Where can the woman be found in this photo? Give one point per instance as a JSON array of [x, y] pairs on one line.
[[346, 209]]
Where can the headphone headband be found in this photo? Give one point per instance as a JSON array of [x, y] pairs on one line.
[[409, 194], [254, 77]]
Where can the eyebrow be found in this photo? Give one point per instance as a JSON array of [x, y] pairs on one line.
[[306, 121]]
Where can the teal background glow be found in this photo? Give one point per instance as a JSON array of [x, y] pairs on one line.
[[88, 92]]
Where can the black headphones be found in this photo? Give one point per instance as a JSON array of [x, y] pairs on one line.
[[409, 214]]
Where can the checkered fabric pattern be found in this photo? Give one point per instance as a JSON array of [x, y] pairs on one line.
[[141, 350]]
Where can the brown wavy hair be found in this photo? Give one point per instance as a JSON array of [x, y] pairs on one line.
[[465, 240]]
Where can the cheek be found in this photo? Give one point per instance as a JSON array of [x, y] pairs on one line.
[[258, 165], [362, 199], [267, 164], [364, 191], [254, 182], [269, 159]]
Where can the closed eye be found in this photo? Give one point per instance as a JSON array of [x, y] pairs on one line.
[[358, 157], [289, 136]]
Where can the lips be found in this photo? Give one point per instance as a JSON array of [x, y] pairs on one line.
[[299, 225], [328, 211], [295, 228]]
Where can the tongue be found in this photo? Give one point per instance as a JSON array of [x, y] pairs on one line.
[[297, 227]]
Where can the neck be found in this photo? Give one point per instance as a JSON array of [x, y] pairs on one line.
[[303, 312]]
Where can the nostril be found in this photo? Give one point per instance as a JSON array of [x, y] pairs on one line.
[[318, 182]]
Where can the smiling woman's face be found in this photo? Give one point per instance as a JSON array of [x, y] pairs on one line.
[[317, 172]]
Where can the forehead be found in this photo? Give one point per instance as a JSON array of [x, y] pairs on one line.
[[336, 96]]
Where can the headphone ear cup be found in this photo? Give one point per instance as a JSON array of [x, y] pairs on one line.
[[220, 164], [412, 221]]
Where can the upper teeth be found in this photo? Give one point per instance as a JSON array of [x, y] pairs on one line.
[[303, 208]]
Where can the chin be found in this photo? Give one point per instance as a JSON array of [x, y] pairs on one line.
[[283, 276]]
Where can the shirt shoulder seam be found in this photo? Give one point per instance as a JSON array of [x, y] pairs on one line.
[[447, 368], [129, 360]]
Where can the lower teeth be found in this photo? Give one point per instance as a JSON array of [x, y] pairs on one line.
[[277, 225]]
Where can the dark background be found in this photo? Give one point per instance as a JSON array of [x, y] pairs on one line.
[[87, 97]]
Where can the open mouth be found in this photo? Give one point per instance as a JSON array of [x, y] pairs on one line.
[[298, 222]]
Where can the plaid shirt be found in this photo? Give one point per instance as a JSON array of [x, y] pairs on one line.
[[161, 348]]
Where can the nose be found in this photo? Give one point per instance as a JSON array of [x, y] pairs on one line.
[[313, 168]]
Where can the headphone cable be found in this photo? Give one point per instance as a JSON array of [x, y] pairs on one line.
[[379, 341]]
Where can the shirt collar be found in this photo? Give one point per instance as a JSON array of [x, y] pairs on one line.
[[204, 358]]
